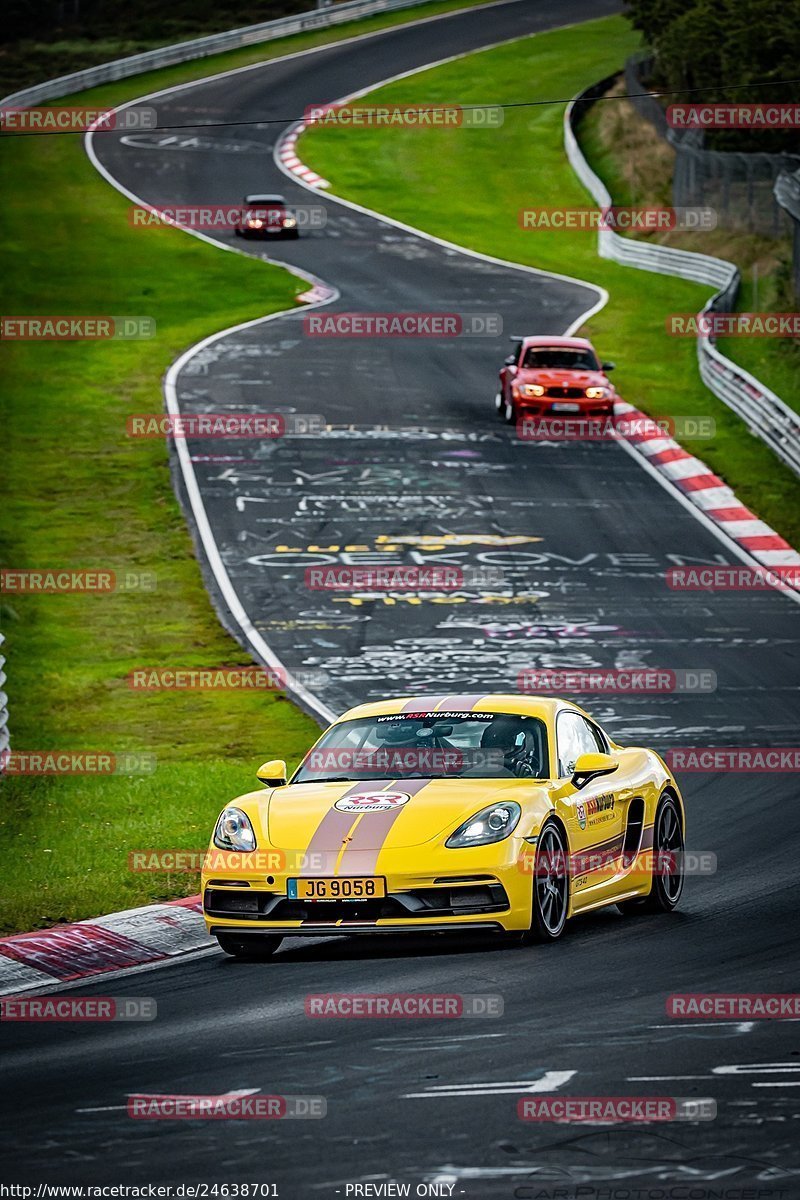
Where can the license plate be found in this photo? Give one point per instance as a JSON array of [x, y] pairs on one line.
[[349, 888], [573, 408]]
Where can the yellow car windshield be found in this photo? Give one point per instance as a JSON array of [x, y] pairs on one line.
[[432, 745]]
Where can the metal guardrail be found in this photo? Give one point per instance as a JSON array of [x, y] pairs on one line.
[[232, 39], [766, 415]]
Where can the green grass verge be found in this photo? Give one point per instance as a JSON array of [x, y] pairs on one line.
[[469, 185], [80, 494]]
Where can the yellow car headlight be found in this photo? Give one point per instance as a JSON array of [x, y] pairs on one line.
[[233, 831], [598, 393], [491, 824], [531, 389]]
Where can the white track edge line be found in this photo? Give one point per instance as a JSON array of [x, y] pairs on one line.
[[170, 389], [210, 546], [348, 41], [223, 580], [708, 523], [291, 131]]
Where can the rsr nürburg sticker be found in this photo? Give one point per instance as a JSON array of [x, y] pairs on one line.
[[372, 802]]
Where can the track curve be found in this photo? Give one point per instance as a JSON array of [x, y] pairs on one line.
[[584, 536]]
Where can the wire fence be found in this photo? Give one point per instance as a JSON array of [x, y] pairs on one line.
[[765, 414], [787, 194], [740, 187]]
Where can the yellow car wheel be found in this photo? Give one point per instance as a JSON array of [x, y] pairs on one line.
[[667, 885], [550, 885]]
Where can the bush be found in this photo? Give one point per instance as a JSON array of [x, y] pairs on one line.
[[725, 47]]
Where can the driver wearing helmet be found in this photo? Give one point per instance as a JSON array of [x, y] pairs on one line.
[[509, 735]]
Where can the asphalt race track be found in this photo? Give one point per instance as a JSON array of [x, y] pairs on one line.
[[583, 536]]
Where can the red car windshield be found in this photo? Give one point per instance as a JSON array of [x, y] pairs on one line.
[[265, 212], [560, 358]]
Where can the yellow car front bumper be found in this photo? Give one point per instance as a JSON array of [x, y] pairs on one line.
[[481, 888]]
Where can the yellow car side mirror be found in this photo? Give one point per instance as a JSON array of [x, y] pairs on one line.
[[272, 773], [591, 766]]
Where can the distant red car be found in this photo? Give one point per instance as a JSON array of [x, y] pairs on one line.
[[554, 376], [266, 216]]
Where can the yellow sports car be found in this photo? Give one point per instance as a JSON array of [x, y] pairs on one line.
[[499, 813]]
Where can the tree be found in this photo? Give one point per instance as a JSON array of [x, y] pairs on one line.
[[724, 48]]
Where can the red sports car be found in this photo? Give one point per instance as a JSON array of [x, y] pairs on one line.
[[266, 216], [554, 376]]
